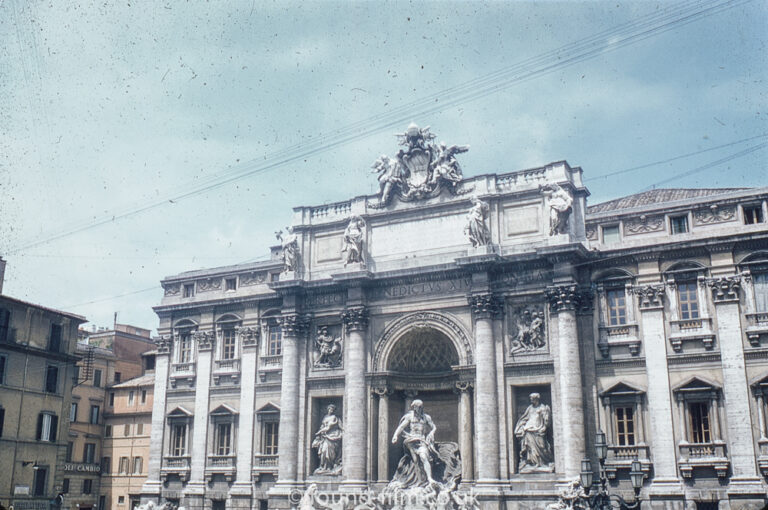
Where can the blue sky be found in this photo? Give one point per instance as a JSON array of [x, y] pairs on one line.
[[103, 107]]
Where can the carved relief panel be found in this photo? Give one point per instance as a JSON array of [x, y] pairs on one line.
[[327, 347], [527, 329]]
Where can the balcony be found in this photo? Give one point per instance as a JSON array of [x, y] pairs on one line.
[[183, 373], [624, 335], [757, 324], [226, 370], [176, 464], [690, 330], [264, 464], [621, 457], [271, 362], [221, 464], [695, 455]]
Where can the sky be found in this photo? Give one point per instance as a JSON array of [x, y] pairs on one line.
[[109, 107]]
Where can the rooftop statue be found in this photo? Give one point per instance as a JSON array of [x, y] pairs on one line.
[[290, 245], [420, 169], [476, 227], [352, 250]]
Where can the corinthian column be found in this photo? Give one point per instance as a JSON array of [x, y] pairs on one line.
[[249, 342], [205, 341], [153, 485], [564, 300], [484, 308], [293, 328], [355, 405], [465, 430]]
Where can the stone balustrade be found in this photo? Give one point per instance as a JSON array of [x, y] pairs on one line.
[[711, 455], [689, 330]]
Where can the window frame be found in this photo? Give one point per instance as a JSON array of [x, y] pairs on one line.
[[51, 383], [73, 412], [673, 226], [270, 437], [94, 415], [140, 465], [617, 228], [97, 380], [5, 326], [41, 473], [3, 367], [47, 427], [274, 343], [752, 207], [89, 453], [178, 438], [55, 337], [691, 290]]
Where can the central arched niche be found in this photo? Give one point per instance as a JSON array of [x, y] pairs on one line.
[[422, 351]]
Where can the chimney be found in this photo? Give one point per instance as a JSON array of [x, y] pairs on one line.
[[2, 274]]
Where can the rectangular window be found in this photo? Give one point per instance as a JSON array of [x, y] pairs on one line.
[[118, 376], [41, 474], [688, 299], [611, 234], [124, 465], [223, 439], [678, 224], [3, 363], [189, 289], [108, 431], [65, 486], [112, 399], [617, 307], [51, 378], [102, 503], [127, 430], [228, 344], [275, 344], [137, 462], [753, 214], [70, 448], [106, 465], [274, 277], [47, 426], [179, 439], [2, 420], [73, 412], [230, 284], [89, 453], [54, 343], [97, 378], [143, 396], [269, 440], [700, 431], [87, 486], [625, 426], [131, 394], [121, 500], [760, 282], [5, 320], [185, 348], [139, 429], [95, 415]]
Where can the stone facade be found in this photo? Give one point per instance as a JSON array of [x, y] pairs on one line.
[[37, 365], [657, 336]]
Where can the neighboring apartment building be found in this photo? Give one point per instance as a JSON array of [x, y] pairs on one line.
[[524, 319], [37, 368], [108, 357], [127, 425]]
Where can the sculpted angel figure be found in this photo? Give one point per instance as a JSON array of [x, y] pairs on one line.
[[531, 429], [476, 227], [390, 176], [290, 244], [352, 251], [327, 440], [446, 166], [560, 202]]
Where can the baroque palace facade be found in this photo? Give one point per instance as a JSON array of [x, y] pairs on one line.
[[464, 340]]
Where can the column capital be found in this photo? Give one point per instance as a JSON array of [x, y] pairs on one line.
[[725, 289], [293, 324], [650, 297], [485, 306], [463, 386], [382, 391], [249, 335], [568, 297], [164, 344], [204, 339], [355, 318]]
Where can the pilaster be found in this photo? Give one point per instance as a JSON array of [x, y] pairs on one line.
[[248, 338], [198, 444], [153, 485], [382, 466]]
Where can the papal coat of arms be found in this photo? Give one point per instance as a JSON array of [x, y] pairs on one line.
[[420, 169]]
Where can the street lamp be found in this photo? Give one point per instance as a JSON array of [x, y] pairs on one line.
[[602, 500]]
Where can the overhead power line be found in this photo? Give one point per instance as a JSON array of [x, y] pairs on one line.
[[637, 30]]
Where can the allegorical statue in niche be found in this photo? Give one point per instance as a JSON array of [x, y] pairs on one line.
[[328, 351], [352, 249], [532, 430], [530, 332], [327, 441], [560, 202], [290, 245], [476, 228], [425, 464]]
